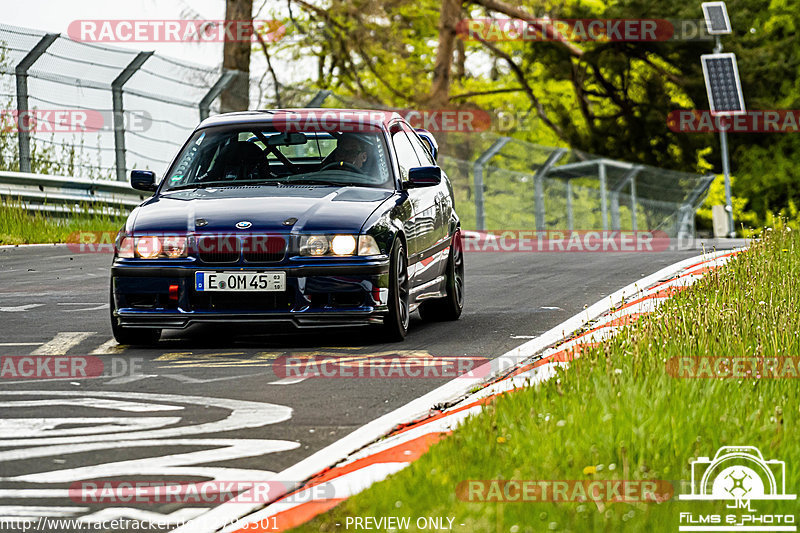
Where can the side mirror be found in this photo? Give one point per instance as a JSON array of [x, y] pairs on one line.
[[423, 177], [430, 141], [143, 180]]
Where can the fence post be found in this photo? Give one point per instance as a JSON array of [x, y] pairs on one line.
[[603, 194], [215, 90], [21, 75], [634, 221], [319, 98], [480, 163], [119, 119], [538, 186]]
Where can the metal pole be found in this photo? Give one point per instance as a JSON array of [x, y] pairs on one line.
[[119, 119], [215, 90], [570, 216], [538, 200], [634, 222], [318, 99], [480, 163], [723, 141], [603, 195], [24, 123]]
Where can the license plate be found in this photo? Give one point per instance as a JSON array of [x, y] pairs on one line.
[[240, 281]]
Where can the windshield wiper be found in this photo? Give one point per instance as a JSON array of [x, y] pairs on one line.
[[316, 182], [234, 183]]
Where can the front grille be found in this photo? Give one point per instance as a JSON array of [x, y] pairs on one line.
[[243, 301], [214, 249], [263, 248]]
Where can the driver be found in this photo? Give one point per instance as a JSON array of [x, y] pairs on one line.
[[351, 150]]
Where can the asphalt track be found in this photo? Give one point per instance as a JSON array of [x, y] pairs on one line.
[[212, 390]]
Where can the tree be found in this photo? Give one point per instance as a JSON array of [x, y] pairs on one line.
[[236, 56]]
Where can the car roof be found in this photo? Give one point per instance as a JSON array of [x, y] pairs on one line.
[[372, 117]]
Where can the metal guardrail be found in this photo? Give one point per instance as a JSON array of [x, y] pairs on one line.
[[62, 194]]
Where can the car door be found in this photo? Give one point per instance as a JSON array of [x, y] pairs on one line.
[[420, 228], [435, 263]]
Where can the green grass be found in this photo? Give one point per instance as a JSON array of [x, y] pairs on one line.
[[617, 409], [20, 226]]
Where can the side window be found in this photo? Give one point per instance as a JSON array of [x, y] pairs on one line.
[[419, 147], [406, 156]]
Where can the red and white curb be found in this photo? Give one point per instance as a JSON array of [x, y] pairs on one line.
[[393, 441]]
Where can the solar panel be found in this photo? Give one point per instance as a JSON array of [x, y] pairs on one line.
[[722, 84], [716, 15]]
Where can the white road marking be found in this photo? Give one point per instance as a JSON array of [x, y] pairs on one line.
[[92, 307], [21, 343], [181, 464], [63, 342], [97, 403], [50, 427], [188, 379], [523, 336], [287, 381], [34, 511], [552, 308], [109, 347], [122, 380], [19, 308], [122, 436], [177, 377], [243, 415]]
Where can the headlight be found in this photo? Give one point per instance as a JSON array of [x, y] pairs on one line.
[[342, 245], [314, 245], [152, 247], [148, 247]]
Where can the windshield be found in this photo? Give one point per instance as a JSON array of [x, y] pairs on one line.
[[256, 154]]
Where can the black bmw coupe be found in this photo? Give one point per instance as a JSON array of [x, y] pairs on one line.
[[314, 217]]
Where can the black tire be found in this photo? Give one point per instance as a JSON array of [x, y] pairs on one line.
[[395, 323], [132, 336], [451, 306]]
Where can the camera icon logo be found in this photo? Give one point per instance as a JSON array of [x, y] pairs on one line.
[[738, 473]]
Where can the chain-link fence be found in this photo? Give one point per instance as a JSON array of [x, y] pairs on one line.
[[142, 106], [96, 110]]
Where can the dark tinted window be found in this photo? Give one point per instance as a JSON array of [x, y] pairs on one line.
[[406, 155]]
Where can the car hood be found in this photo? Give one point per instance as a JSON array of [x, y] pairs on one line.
[[318, 209]]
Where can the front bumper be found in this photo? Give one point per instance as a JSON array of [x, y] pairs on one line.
[[330, 292]]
